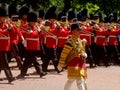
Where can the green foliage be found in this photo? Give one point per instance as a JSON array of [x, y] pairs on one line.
[[107, 6], [58, 3], [92, 8]]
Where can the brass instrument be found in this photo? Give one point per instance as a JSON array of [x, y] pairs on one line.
[[9, 24], [44, 29]]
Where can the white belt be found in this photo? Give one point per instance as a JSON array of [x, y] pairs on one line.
[[101, 36], [51, 37], [35, 39], [95, 39], [112, 36], [86, 35], [5, 38], [54, 37], [62, 37], [25, 41]]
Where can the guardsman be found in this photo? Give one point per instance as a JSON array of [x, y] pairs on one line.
[[52, 28], [73, 57], [113, 51], [31, 44], [41, 32], [41, 13], [71, 16], [100, 45], [23, 12], [87, 33], [41, 28], [15, 33], [4, 46], [63, 35]]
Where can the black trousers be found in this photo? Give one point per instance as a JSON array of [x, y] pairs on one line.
[[59, 50], [101, 55], [30, 59], [21, 49], [90, 59], [4, 65], [15, 51], [113, 54], [50, 55]]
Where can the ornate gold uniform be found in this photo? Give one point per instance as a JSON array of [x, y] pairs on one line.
[[72, 57]]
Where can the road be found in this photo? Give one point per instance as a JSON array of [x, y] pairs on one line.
[[99, 78]]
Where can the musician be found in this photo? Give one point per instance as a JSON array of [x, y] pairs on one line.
[[32, 46], [4, 46], [41, 28], [87, 33], [112, 49], [70, 18], [100, 44], [52, 28], [42, 33], [15, 33], [23, 12], [41, 13], [63, 35], [73, 56]]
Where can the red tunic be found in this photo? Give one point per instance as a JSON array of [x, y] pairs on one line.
[[112, 35], [87, 35], [41, 37], [51, 39], [32, 38], [100, 38], [15, 35], [4, 40], [62, 37]]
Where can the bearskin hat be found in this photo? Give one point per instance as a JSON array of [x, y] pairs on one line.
[[51, 13], [23, 10], [41, 13], [60, 15], [71, 15], [32, 17], [12, 10], [2, 12]]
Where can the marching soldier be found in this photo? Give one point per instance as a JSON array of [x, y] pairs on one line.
[[87, 33], [23, 12], [51, 39], [41, 28], [31, 44], [113, 44], [63, 35], [4, 46], [100, 45], [15, 34]]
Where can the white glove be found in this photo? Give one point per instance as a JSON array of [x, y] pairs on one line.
[[84, 40], [59, 68], [24, 42], [85, 55]]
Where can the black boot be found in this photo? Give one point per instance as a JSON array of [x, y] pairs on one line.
[[43, 74], [11, 79]]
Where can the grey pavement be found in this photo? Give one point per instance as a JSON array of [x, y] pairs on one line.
[[99, 78]]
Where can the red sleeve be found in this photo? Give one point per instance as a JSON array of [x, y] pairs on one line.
[[20, 35]]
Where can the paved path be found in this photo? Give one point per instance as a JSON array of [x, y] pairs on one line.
[[99, 78]]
